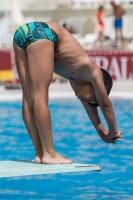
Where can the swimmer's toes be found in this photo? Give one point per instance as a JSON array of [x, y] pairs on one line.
[[59, 160], [68, 161], [37, 160]]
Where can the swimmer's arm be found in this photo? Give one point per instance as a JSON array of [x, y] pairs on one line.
[[110, 14], [123, 11], [104, 102], [93, 115], [91, 111]]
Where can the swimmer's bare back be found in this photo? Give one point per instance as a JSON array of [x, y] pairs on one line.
[[119, 11], [70, 58]]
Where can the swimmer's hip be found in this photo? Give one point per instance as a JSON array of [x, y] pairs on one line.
[[34, 31]]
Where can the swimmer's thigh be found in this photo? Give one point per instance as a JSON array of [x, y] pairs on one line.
[[22, 69], [40, 56]]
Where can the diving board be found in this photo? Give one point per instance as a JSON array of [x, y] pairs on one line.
[[24, 168]]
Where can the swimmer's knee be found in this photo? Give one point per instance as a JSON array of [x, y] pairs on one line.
[[33, 100], [39, 99], [27, 100]]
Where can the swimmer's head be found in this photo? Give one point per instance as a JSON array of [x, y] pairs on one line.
[[100, 8], [108, 85], [114, 3]]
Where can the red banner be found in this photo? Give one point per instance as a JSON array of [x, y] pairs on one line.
[[6, 73], [5, 60], [118, 63]]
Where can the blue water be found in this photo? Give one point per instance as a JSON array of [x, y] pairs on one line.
[[74, 137]]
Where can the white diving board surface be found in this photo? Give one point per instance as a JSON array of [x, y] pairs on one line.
[[25, 168]]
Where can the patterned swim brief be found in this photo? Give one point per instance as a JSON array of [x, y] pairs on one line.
[[33, 31]]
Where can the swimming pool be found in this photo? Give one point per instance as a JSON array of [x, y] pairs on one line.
[[74, 137]]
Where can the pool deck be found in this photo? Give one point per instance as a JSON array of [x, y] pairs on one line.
[[121, 90]]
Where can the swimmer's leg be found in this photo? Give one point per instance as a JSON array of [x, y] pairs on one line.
[[118, 36], [27, 113], [121, 36], [40, 56]]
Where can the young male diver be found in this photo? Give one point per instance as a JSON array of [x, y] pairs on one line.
[[41, 49]]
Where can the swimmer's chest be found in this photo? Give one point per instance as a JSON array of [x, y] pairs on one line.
[[68, 70], [67, 59]]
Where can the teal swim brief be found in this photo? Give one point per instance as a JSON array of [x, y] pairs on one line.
[[33, 31]]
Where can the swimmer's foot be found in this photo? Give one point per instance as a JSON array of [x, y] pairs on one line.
[[38, 160], [55, 159]]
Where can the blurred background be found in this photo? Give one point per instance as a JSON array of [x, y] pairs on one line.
[[90, 21]]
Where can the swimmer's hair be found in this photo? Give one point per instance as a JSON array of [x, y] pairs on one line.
[[112, 3], [100, 8], [64, 25], [107, 80]]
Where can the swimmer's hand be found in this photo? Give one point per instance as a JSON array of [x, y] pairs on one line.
[[116, 137], [111, 138]]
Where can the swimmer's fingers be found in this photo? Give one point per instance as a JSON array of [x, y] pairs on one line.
[[113, 140], [116, 139], [119, 135]]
